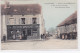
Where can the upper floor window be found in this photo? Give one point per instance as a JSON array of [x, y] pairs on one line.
[[11, 21], [34, 20], [22, 20]]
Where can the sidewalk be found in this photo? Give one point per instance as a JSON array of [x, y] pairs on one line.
[[23, 40]]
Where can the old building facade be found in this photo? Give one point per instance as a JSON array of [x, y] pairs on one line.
[[21, 21], [68, 28]]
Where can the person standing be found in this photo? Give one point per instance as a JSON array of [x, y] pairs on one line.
[[4, 38], [14, 37], [41, 36]]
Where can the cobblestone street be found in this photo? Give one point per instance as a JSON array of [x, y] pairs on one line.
[[45, 44]]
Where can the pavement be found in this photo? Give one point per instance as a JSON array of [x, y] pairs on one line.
[[49, 44]]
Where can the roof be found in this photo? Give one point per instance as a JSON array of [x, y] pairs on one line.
[[70, 20], [21, 9]]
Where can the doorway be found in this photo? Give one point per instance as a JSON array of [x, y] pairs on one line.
[[24, 35], [29, 32]]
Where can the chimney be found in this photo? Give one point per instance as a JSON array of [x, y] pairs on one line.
[[7, 5]]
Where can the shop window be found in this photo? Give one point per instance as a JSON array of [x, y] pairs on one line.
[[34, 29]]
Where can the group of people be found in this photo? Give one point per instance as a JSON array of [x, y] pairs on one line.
[[43, 36]]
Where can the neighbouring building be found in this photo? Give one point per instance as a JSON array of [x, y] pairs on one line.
[[21, 21], [68, 28]]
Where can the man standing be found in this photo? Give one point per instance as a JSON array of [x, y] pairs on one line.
[[4, 38]]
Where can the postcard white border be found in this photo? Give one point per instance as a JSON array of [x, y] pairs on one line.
[[51, 50]]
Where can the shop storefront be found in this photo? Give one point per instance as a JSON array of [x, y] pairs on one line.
[[22, 32]]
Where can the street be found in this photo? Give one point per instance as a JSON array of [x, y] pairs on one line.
[[52, 43]]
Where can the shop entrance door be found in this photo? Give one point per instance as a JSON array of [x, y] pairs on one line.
[[29, 32], [24, 35]]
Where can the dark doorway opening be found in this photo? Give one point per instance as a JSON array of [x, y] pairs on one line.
[[29, 32], [24, 35]]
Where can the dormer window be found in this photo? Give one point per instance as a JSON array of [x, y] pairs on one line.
[[28, 9], [7, 5], [15, 10]]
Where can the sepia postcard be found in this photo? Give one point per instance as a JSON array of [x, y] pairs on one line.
[[38, 24]]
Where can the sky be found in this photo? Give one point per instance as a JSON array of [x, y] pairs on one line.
[[53, 10]]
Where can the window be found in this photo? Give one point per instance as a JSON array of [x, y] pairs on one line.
[[11, 21], [23, 20], [34, 29], [34, 20]]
